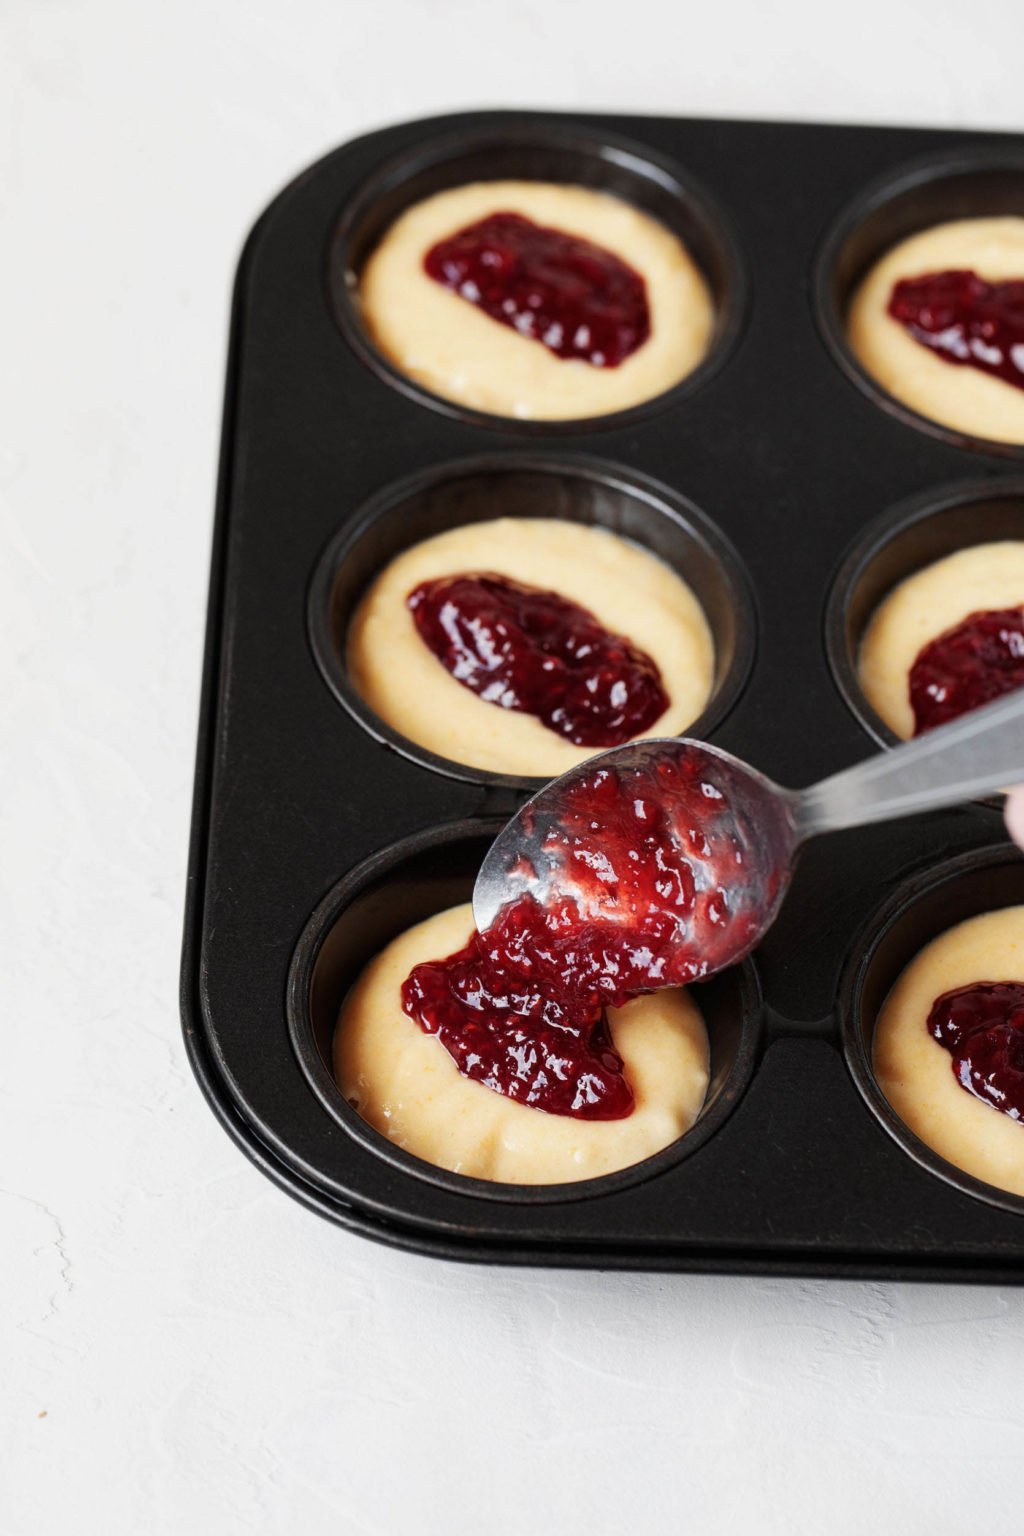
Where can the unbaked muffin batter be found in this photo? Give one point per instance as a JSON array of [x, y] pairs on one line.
[[914, 1071], [982, 577], [403, 1082], [959, 397], [457, 351], [630, 591]]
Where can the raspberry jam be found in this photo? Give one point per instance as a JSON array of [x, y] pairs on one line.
[[643, 903], [534, 651], [965, 320], [509, 1018], [577, 299], [976, 661], [982, 1027]]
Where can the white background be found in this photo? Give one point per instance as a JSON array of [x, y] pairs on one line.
[[185, 1349]]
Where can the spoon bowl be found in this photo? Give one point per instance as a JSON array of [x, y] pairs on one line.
[[678, 838], [674, 826]]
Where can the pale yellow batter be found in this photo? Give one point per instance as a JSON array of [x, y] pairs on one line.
[[403, 1082], [456, 350], [915, 1072], [630, 591], [961, 397], [925, 605]]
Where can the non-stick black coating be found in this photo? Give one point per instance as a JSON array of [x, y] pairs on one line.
[[791, 462], [395, 889], [538, 485]]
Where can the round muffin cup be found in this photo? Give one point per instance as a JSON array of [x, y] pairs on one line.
[[902, 541], [575, 489], [551, 153], [409, 882], [925, 906], [936, 190]]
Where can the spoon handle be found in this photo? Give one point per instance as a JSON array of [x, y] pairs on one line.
[[979, 753]]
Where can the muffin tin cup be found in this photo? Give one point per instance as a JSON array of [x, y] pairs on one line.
[[573, 488], [926, 905], [428, 873], [904, 540], [935, 189], [331, 464], [559, 153]]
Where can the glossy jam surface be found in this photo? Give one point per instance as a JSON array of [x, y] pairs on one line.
[[982, 1027], [525, 649], [500, 1012], [973, 663], [646, 904], [965, 320], [577, 299]]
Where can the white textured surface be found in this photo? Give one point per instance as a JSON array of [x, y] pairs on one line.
[[209, 1357]]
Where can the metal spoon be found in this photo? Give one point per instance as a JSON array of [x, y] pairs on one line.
[[754, 827]]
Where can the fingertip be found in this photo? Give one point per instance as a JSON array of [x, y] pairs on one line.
[[1014, 814]]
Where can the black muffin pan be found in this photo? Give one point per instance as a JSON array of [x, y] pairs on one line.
[[791, 494]]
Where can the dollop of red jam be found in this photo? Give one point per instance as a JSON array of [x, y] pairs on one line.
[[577, 299], [976, 661], [965, 320], [982, 1027], [644, 903], [525, 649], [507, 1008]]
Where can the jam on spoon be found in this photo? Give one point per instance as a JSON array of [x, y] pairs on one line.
[[658, 864], [645, 865], [970, 664], [529, 650], [663, 862], [965, 320], [576, 298], [982, 1027]]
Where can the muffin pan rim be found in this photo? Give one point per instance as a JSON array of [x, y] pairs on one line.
[[661, 499], [831, 317], [854, 563], [855, 1053], [375, 871], [341, 276]]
